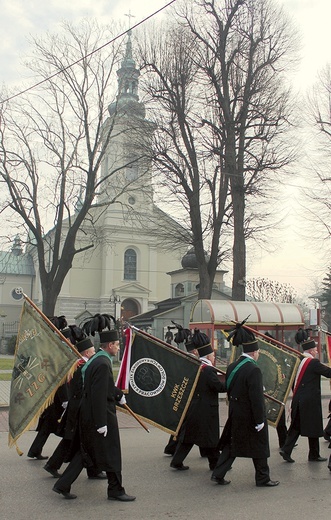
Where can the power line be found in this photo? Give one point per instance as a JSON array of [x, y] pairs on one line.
[[87, 55]]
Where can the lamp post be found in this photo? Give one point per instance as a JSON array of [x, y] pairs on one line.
[[115, 300]]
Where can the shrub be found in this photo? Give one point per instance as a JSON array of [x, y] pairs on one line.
[[11, 343]]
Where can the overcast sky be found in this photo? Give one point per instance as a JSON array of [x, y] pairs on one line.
[[294, 263]]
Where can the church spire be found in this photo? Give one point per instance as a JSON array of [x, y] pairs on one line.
[[128, 79], [128, 74]]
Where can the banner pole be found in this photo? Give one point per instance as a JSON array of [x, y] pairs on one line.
[[273, 340], [135, 416]]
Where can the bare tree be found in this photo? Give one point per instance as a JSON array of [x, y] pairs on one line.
[[219, 77], [264, 290], [189, 175], [318, 209], [53, 140]]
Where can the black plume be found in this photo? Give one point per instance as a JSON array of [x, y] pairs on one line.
[[177, 326], [59, 322], [74, 334], [200, 339], [240, 335], [183, 335], [97, 323], [301, 336]]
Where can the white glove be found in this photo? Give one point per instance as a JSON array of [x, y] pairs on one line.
[[64, 404], [103, 430], [122, 400], [259, 427]]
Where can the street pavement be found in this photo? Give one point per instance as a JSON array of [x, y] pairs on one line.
[[163, 493]]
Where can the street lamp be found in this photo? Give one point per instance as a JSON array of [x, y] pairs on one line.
[[115, 300]]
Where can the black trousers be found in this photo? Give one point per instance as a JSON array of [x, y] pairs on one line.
[[225, 461], [291, 439], [170, 448], [282, 429], [71, 473], [184, 448], [74, 469], [39, 442], [59, 455]]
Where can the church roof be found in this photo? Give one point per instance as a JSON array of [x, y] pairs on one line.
[[163, 306], [10, 263]]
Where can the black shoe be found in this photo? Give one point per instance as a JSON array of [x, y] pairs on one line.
[[220, 481], [169, 452], [318, 459], [99, 476], [270, 483], [286, 456], [38, 457], [65, 494], [52, 471], [123, 498], [180, 467]]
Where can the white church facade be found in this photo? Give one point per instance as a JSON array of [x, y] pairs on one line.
[[126, 272]]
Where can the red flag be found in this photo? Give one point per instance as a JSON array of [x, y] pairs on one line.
[[328, 347], [124, 371]]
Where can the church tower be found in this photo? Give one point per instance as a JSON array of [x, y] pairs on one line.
[[127, 160], [133, 255]]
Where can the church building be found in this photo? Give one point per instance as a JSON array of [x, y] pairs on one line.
[[125, 273], [136, 267]]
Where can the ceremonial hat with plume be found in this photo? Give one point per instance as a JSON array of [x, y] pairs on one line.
[[60, 322], [200, 342], [73, 334], [302, 335], [101, 323], [182, 335], [242, 336]]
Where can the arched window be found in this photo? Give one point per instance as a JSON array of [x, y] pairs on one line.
[[179, 290], [130, 265]]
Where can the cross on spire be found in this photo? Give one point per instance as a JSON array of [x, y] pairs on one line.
[[130, 16]]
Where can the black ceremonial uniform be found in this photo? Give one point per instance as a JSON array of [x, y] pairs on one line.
[[201, 424], [306, 409], [246, 410], [98, 409]]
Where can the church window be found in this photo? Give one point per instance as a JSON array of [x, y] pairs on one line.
[[179, 290], [130, 265]]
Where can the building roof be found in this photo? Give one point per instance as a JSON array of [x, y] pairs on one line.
[[227, 312], [163, 306], [11, 263]]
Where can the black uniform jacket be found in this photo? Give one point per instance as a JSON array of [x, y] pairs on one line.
[[306, 409], [75, 393], [246, 410], [201, 424], [98, 408]]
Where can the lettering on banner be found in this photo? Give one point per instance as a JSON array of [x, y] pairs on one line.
[[178, 393]]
